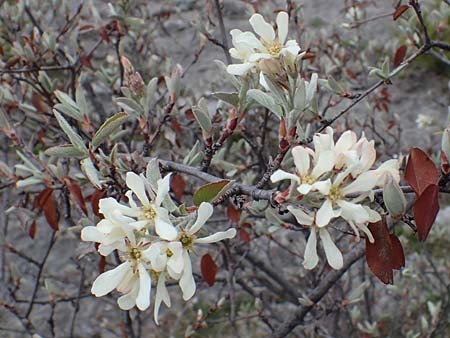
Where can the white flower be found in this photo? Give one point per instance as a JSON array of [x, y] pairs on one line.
[[332, 252], [112, 231], [130, 278], [151, 211], [249, 49], [175, 256], [424, 121]]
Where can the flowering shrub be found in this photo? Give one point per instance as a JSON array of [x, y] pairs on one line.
[[218, 200]]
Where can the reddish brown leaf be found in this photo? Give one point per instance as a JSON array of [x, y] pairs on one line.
[[244, 235], [420, 171], [385, 254], [32, 230], [51, 211], [95, 199], [425, 210], [177, 184], [209, 269], [400, 55], [41, 199], [233, 214], [76, 194], [399, 11]]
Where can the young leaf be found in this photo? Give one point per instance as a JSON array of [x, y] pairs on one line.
[[130, 106], [233, 214], [399, 11], [399, 55], [209, 269], [211, 191], [202, 116], [425, 210], [65, 150], [420, 171], [76, 194], [266, 101], [91, 172], [68, 106], [230, 98], [108, 128], [74, 138], [47, 203], [385, 254], [177, 184]]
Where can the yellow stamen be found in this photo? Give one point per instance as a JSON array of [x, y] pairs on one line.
[[335, 193]]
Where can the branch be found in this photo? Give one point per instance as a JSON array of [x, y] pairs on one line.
[[253, 191], [297, 317], [223, 32]]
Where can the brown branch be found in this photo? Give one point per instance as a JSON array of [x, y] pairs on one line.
[[223, 32]]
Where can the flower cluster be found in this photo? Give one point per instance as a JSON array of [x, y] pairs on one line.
[[251, 51], [153, 244], [332, 180]]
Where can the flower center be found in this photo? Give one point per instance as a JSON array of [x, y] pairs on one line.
[[154, 275], [335, 193], [169, 253], [149, 213], [275, 48], [187, 240], [134, 254], [308, 179]]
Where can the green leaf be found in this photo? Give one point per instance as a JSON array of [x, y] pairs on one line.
[[108, 127], [202, 116], [74, 138], [91, 172], [66, 150], [211, 191], [230, 98], [130, 106], [68, 106], [81, 101], [150, 92], [265, 100]]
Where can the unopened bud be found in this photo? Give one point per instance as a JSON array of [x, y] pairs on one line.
[[393, 197], [221, 302], [199, 315], [445, 145]]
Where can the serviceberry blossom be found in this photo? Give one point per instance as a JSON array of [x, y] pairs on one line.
[[154, 246], [270, 45], [332, 180]]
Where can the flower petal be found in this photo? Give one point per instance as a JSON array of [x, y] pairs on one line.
[[354, 212], [92, 234], [301, 160], [163, 227], [145, 287], [325, 214], [161, 295], [282, 26], [205, 211], [325, 163], [240, 68], [175, 263], [262, 28], [310, 257], [109, 280], [128, 300], [187, 282], [280, 175], [302, 217], [218, 236], [136, 184], [163, 189], [323, 186], [334, 255]]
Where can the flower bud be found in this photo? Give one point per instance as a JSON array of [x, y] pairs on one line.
[[445, 146], [393, 197]]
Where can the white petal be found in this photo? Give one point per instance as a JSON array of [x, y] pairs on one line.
[[145, 287], [324, 164], [175, 263], [108, 206], [280, 175], [161, 295], [304, 189], [334, 255], [218, 236], [205, 211], [106, 250], [363, 183], [325, 214], [239, 68], [291, 47], [282, 26], [301, 160], [128, 301], [136, 184], [92, 234], [302, 217], [250, 40], [310, 257], [109, 280], [255, 57], [187, 282], [163, 227], [353, 212], [163, 189], [262, 28], [345, 142], [323, 186], [367, 232]]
